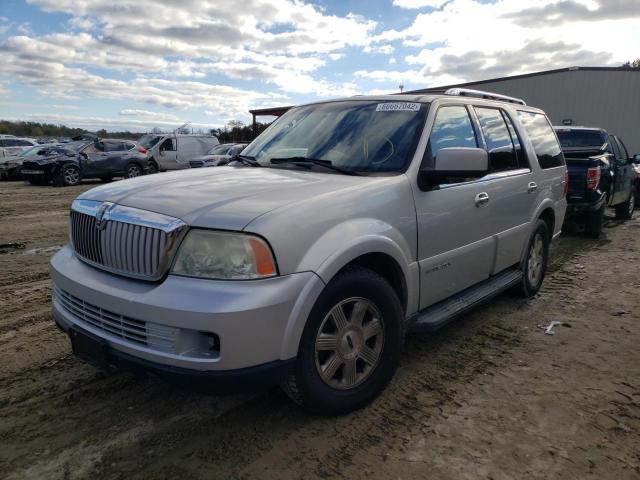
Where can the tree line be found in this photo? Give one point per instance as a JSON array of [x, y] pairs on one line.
[[234, 131]]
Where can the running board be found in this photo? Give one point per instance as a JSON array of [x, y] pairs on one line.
[[438, 315]]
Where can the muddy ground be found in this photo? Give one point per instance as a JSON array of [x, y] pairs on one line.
[[490, 396]]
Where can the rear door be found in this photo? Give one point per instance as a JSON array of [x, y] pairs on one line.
[[622, 171], [510, 185], [455, 245]]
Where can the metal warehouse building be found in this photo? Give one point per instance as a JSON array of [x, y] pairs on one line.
[[588, 96]]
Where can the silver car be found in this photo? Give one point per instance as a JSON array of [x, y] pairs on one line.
[[344, 226]]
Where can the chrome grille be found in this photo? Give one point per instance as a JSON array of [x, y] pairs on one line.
[[158, 337], [124, 240]]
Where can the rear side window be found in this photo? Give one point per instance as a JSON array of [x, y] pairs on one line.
[[543, 138], [623, 148], [451, 128], [616, 148], [502, 153]]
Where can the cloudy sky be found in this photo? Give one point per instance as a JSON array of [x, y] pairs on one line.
[[136, 64]]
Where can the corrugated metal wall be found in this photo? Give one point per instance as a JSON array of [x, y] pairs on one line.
[[609, 99]]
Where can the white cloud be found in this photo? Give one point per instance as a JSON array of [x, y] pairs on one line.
[[382, 49], [471, 40], [407, 76], [96, 123], [419, 3]]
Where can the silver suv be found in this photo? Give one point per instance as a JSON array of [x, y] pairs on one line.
[[343, 226]]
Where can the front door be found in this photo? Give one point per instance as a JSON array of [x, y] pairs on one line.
[[168, 154], [455, 245], [94, 160]]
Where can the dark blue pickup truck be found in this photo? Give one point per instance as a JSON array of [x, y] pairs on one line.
[[601, 175]]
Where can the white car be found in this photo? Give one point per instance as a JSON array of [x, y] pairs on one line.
[[15, 145], [218, 155], [173, 151]]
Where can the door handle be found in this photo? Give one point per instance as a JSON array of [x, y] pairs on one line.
[[482, 199], [532, 187]]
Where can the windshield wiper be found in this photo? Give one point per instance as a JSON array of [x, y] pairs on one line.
[[246, 159], [314, 161]]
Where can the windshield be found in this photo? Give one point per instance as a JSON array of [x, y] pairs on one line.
[[219, 150], [32, 152], [581, 138], [148, 141], [358, 135]]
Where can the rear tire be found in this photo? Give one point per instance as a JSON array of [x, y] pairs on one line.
[[133, 170], [535, 263], [345, 360], [593, 223], [625, 210]]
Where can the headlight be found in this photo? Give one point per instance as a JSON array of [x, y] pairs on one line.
[[221, 255]]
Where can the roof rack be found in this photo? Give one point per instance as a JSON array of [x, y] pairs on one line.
[[467, 92]]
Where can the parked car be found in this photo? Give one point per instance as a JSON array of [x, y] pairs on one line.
[[10, 145], [218, 155], [306, 260], [103, 159], [601, 174], [636, 168], [10, 166], [173, 151]]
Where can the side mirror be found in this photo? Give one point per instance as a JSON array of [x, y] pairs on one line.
[[457, 163], [636, 159]]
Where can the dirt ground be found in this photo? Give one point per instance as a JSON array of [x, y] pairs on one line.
[[490, 396]]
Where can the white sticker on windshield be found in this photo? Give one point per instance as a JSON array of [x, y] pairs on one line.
[[398, 107]]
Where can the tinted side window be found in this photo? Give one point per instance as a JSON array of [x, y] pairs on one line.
[[168, 145], [543, 138], [451, 128], [502, 153], [522, 158]]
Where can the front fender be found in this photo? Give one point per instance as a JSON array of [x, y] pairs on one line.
[[349, 240]]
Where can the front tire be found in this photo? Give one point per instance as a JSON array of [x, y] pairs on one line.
[[351, 345], [153, 167], [535, 263], [69, 175], [625, 210]]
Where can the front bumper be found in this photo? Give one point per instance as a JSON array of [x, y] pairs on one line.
[[255, 322]]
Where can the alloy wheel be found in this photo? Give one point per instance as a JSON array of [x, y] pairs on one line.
[[133, 171], [71, 175], [349, 343]]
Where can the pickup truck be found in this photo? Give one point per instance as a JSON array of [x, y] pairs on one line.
[[601, 175]]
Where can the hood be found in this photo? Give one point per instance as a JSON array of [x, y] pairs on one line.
[[225, 198]]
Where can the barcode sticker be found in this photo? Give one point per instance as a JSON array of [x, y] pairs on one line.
[[398, 107]]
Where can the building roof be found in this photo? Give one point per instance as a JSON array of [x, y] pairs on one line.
[[277, 111], [525, 75]]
